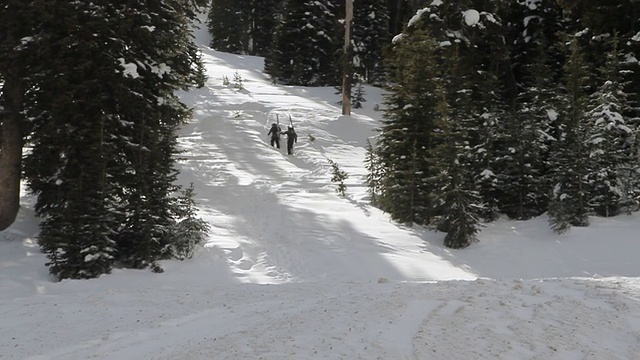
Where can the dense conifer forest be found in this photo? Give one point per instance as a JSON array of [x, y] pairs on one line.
[[88, 112], [498, 107]]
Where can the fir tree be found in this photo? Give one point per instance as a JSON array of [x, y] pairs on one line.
[[189, 230], [369, 39], [532, 115], [569, 202], [263, 19], [73, 142], [609, 141], [339, 176], [406, 135], [457, 203], [304, 44], [102, 163], [228, 23], [357, 98], [374, 173]]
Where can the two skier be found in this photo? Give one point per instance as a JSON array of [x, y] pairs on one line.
[[275, 132]]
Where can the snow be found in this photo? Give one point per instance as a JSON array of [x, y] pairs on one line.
[[631, 59], [291, 270], [396, 39], [471, 17], [532, 4], [160, 69], [130, 69], [528, 19], [552, 114], [418, 15], [486, 173]]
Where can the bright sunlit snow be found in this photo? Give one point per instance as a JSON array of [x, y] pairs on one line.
[[291, 270]]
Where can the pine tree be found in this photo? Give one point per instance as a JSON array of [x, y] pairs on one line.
[[69, 163], [264, 17], [602, 19], [304, 44], [457, 203], [569, 202], [369, 39], [374, 173], [189, 230], [228, 22], [150, 199], [475, 39], [357, 98], [609, 141], [406, 135], [529, 127], [104, 138], [338, 176]]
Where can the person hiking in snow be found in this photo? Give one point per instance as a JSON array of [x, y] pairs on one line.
[[291, 138], [275, 135]]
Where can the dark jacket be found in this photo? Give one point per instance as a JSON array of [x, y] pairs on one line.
[[291, 135], [274, 131]]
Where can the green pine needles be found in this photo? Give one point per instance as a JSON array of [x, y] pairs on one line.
[[103, 135], [338, 177], [476, 127]]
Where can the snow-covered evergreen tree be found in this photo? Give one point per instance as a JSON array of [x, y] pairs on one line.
[[104, 137], [610, 141], [456, 202], [74, 140], [264, 16], [304, 44], [370, 37], [569, 204], [189, 230], [531, 113], [228, 22], [405, 140], [374, 173], [243, 26]]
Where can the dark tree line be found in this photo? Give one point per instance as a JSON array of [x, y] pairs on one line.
[[89, 88], [511, 107], [302, 41]]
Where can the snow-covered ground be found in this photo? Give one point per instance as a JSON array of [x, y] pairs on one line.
[[291, 270]]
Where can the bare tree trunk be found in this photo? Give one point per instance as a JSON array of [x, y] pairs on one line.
[[346, 77], [10, 151]]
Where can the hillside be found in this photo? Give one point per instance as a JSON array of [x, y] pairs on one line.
[[291, 270]]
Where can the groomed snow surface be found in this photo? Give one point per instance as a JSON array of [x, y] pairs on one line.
[[291, 270]]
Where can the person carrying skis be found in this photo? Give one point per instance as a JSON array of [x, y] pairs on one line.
[[291, 138], [275, 135]]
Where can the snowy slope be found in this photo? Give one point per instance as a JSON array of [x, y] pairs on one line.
[[293, 271]]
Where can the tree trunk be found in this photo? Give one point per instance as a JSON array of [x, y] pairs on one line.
[[347, 70], [10, 151]]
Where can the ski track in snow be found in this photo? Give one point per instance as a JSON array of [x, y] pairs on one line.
[[446, 320]]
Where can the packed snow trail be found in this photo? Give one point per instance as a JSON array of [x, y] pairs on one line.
[[483, 319], [275, 215]]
